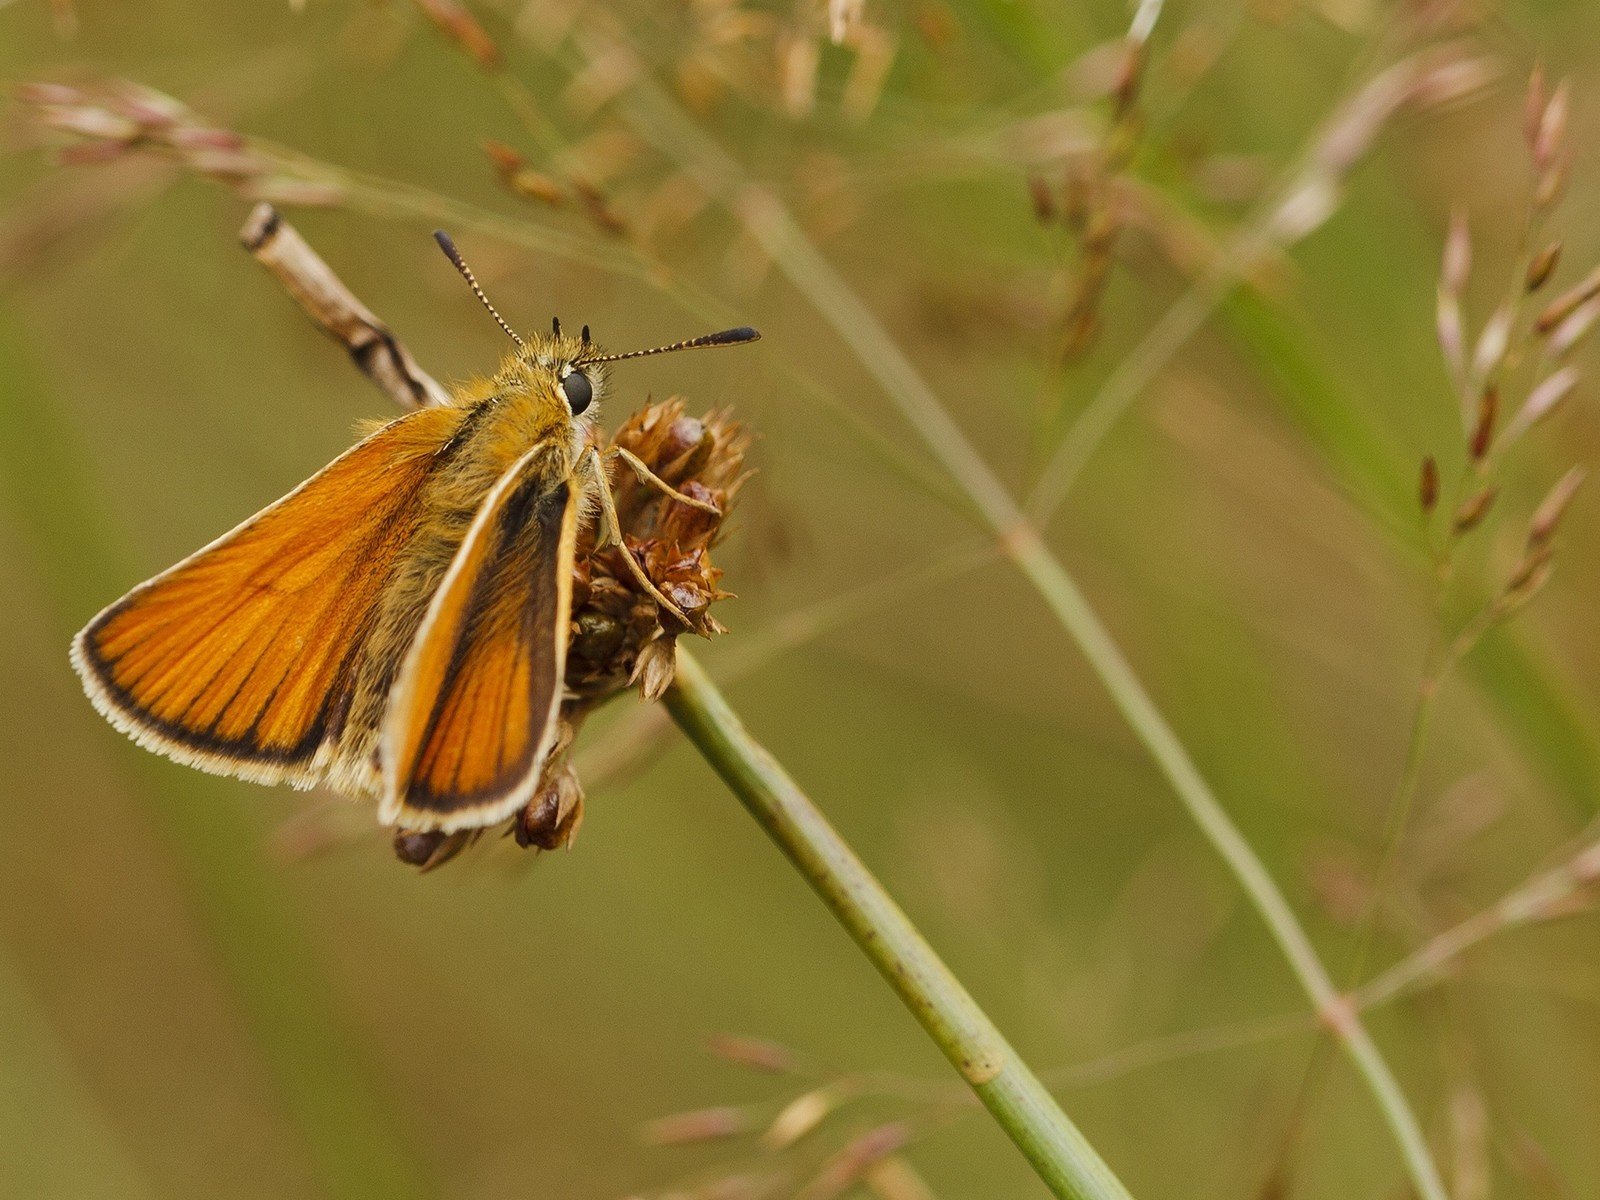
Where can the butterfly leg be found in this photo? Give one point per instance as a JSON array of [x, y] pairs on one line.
[[651, 479], [611, 534]]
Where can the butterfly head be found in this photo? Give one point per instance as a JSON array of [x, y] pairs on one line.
[[568, 372], [557, 369]]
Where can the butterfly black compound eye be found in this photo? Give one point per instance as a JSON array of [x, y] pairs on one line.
[[578, 391]]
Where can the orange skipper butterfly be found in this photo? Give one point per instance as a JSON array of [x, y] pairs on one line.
[[396, 626]]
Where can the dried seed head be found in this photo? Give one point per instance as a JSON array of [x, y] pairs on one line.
[[1428, 486], [118, 119], [619, 635]]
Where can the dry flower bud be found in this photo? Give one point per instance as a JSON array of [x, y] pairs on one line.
[[1483, 428], [702, 1125], [427, 849], [550, 821], [1474, 508], [1546, 518], [799, 1117], [1457, 262], [1428, 486], [757, 1053], [1542, 267], [656, 666]]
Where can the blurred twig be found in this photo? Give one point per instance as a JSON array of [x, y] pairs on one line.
[[314, 286]]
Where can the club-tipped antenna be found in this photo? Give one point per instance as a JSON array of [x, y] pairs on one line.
[[728, 337], [460, 264]]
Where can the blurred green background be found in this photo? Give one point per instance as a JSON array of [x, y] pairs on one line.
[[205, 991]]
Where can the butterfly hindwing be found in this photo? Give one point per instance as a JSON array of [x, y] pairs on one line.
[[237, 659], [472, 716]]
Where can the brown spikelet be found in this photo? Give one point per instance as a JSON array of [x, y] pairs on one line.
[[1483, 428], [1428, 485]]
